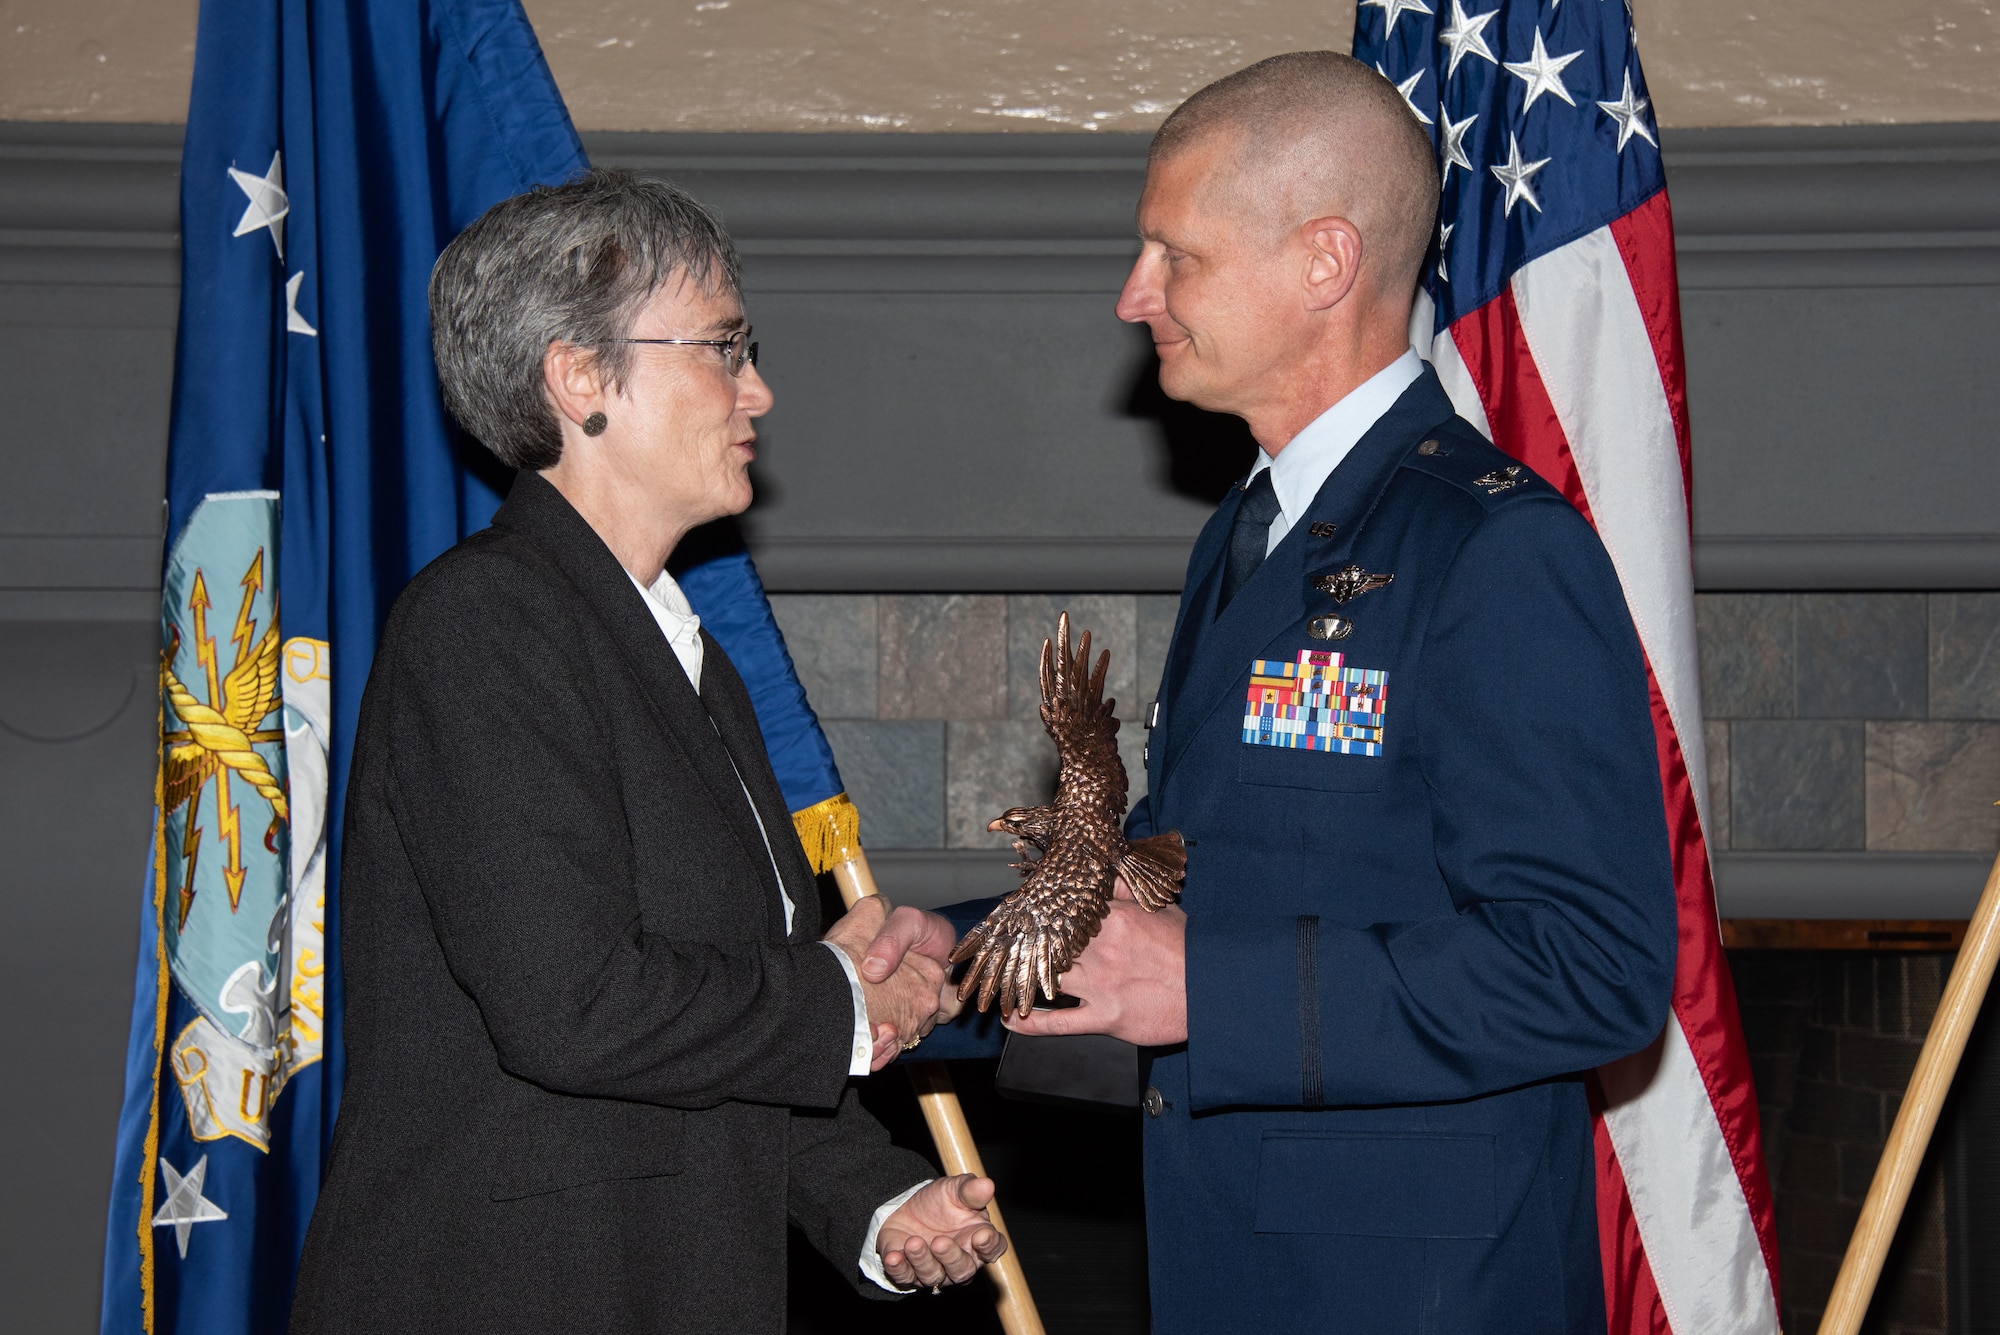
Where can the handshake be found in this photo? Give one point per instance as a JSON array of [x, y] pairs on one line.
[[904, 961], [1130, 983]]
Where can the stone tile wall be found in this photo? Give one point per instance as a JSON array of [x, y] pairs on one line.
[[930, 700], [1834, 721], [1852, 720]]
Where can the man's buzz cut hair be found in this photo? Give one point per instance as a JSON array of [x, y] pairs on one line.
[[1345, 118]]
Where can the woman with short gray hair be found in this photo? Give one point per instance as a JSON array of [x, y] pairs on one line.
[[598, 1050]]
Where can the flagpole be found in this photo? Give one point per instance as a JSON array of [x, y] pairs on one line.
[[1882, 1211], [951, 1132]]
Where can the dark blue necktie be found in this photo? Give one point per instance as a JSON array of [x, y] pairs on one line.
[[1249, 536]]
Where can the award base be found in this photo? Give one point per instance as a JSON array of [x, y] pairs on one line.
[[1073, 1070]]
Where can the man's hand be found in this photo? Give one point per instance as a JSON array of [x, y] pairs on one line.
[[1129, 982], [908, 929], [913, 930], [905, 984], [941, 1235]]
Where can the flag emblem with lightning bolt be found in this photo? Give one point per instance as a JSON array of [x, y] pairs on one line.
[[240, 855], [221, 734]]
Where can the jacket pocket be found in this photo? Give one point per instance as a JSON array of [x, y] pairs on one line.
[[570, 1141], [1325, 771], [1377, 1186]]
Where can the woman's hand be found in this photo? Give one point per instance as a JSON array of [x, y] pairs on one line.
[[905, 980], [941, 1235]]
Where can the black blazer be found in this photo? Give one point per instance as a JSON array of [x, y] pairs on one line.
[[589, 1075]]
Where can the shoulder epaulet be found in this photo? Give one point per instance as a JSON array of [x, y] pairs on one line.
[[1456, 453]]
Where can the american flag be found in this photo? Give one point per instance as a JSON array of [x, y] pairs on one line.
[[1551, 312]]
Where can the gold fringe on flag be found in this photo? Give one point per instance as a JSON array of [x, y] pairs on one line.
[[830, 832]]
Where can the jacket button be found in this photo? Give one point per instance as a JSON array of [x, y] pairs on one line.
[[1152, 1102]]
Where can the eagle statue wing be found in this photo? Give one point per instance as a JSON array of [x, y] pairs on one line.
[[1030, 940], [1082, 724]]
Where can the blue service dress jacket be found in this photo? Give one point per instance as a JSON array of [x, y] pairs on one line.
[[1428, 887]]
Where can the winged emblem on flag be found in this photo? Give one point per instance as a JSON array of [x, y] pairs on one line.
[[221, 733], [241, 843]]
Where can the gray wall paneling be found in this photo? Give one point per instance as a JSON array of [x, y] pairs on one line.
[[1839, 294], [958, 411], [88, 292]]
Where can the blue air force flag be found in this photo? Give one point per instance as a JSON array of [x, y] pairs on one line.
[[333, 147]]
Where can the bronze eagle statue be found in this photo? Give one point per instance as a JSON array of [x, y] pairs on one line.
[[1078, 845]]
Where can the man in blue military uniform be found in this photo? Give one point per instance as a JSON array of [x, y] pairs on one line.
[[1404, 728]]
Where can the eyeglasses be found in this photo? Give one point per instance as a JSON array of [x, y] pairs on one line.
[[738, 350]]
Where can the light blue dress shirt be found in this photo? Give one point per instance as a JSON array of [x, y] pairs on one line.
[[1309, 458]]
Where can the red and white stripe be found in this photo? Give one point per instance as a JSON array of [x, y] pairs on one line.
[[1577, 370]]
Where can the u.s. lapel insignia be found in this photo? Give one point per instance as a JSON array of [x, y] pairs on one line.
[[1499, 479], [1349, 582], [1321, 529]]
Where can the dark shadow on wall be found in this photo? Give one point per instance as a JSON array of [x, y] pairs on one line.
[[1205, 453]]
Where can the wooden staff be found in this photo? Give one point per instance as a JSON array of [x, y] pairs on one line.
[[1911, 1135], [950, 1130]]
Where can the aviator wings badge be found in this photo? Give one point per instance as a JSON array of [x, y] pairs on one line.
[[1349, 582]]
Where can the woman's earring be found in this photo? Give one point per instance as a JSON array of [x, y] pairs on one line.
[[594, 424]]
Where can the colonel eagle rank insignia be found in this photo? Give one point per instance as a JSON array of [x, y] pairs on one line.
[[1079, 847]]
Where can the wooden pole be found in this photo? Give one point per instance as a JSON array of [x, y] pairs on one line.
[[1882, 1211], [953, 1135]]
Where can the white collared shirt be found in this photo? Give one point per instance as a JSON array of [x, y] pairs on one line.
[[671, 608], [678, 622], [1309, 458]]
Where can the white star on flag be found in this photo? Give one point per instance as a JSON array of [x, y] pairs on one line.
[[294, 322], [1542, 73], [1391, 8], [1514, 174], [1406, 87], [268, 202], [185, 1206], [1462, 35], [1630, 113], [1444, 239], [1452, 149]]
